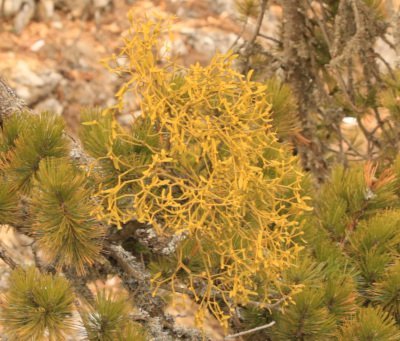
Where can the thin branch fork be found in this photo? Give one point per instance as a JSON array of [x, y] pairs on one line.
[[277, 41], [259, 22]]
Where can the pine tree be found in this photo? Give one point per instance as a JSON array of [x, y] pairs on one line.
[[202, 195], [327, 52], [202, 169]]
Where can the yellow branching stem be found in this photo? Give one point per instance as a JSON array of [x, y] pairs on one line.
[[214, 171]]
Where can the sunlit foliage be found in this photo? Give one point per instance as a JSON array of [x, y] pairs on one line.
[[202, 161]]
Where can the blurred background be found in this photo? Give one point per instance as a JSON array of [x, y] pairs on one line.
[[51, 50]]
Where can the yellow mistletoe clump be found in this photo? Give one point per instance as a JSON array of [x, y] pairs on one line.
[[202, 161]]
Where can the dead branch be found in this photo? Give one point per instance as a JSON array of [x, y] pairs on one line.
[[6, 257], [250, 331]]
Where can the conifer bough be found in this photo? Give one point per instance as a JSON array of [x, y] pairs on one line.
[[202, 166], [200, 190]]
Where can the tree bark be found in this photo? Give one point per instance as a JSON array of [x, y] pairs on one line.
[[299, 70], [9, 101]]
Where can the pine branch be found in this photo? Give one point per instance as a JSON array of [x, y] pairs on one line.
[[127, 262], [80, 286], [135, 277], [137, 280]]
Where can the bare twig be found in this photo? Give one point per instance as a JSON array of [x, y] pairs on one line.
[[260, 18], [388, 67], [321, 25], [6, 257], [250, 331], [277, 41], [388, 42], [128, 262], [239, 34], [80, 286]]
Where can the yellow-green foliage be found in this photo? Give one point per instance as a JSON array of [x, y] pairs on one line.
[[308, 319], [283, 108], [8, 203], [61, 215], [349, 262], [37, 305], [375, 244], [247, 8], [389, 97], [13, 126], [328, 298], [26, 141], [202, 161], [108, 320], [34, 166], [371, 324], [386, 292], [352, 194]]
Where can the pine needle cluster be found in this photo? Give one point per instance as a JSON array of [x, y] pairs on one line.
[[61, 215], [37, 305], [36, 169], [108, 320], [349, 264]]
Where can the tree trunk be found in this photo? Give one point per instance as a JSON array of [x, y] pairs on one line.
[[300, 75]]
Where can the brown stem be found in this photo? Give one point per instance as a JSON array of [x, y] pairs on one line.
[[260, 18], [250, 331], [6, 257], [301, 74]]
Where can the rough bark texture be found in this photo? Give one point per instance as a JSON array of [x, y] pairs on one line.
[[299, 74], [9, 101]]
